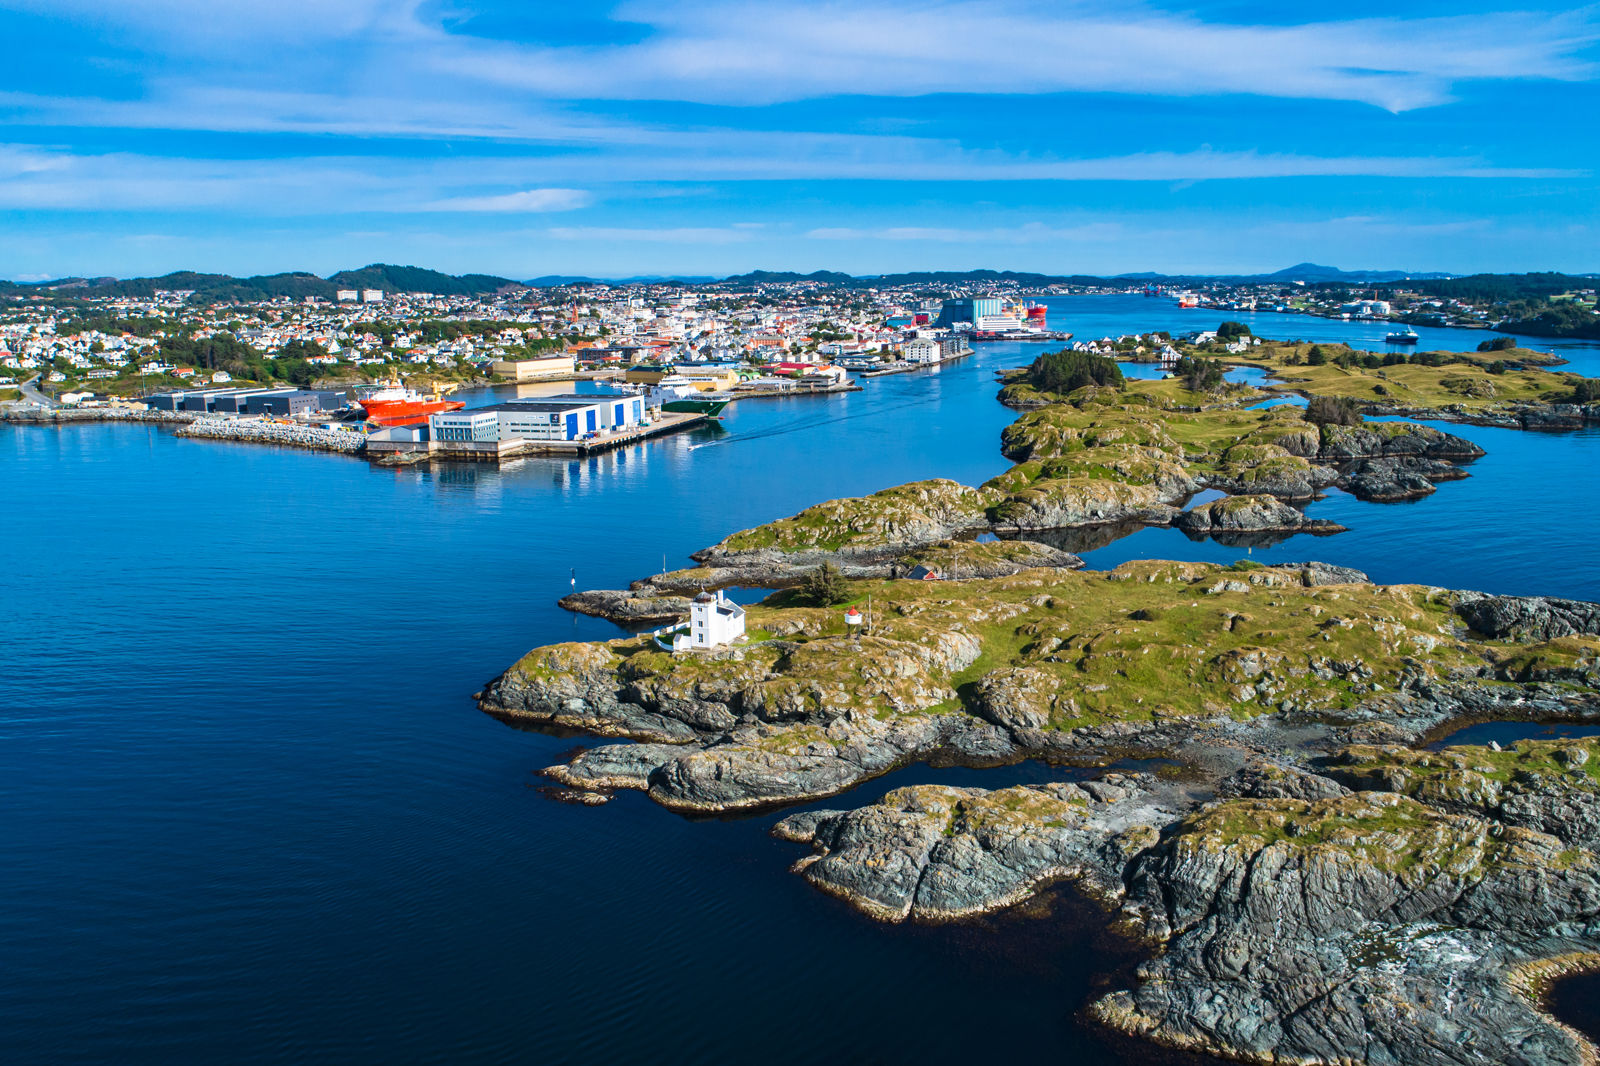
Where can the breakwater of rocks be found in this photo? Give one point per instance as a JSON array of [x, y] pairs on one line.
[[325, 440], [44, 416]]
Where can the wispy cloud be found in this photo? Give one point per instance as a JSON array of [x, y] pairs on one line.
[[734, 53], [752, 52], [1026, 233], [669, 235], [526, 201], [268, 114], [56, 179]]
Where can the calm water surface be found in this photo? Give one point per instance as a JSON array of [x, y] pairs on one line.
[[250, 813]]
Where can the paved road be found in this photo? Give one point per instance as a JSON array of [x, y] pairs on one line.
[[31, 393]]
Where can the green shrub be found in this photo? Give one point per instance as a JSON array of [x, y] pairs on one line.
[[1334, 410], [824, 586]]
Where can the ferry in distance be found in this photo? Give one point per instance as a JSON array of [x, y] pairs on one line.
[[1405, 336], [396, 405]]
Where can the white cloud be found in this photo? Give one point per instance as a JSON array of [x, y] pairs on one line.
[[36, 178], [670, 235], [742, 54], [1026, 233], [527, 201], [752, 52]]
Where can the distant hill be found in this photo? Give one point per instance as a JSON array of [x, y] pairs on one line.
[[778, 277], [416, 279], [1311, 273], [411, 279], [296, 285], [556, 281]]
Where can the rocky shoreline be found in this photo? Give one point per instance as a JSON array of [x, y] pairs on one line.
[[1551, 416], [1307, 885], [1302, 872]]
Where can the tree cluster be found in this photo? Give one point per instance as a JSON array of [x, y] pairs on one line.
[[1065, 371], [1200, 374]]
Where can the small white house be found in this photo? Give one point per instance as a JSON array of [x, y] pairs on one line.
[[714, 620]]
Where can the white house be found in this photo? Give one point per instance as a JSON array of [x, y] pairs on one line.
[[714, 620]]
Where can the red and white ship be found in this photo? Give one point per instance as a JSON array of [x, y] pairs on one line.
[[396, 405]]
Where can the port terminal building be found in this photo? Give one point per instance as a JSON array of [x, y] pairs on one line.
[[549, 418]]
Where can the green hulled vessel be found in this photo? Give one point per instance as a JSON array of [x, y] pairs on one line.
[[709, 408]]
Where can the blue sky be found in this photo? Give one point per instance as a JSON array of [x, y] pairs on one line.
[[707, 138]]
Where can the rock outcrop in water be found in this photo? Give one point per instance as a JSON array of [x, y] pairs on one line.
[[1299, 878], [934, 853], [776, 568], [631, 608], [1366, 928], [1250, 514], [1309, 887], [1113, 460]]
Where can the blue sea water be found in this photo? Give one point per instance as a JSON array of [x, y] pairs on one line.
[[250, 813]]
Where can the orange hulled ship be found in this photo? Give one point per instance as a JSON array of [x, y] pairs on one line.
[[396, 405]]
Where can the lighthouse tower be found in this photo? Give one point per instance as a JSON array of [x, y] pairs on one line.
[[714, 620]]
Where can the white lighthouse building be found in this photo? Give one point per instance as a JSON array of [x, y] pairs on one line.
[[714, 620]]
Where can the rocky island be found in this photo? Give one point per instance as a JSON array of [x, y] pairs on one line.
[[1504, 389], [1307, 883]]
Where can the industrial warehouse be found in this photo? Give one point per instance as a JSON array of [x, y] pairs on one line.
[[270, 402]]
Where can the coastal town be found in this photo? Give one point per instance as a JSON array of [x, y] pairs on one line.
[[373, 368], [122, 346]]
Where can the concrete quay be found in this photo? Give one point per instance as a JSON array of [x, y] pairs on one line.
[[911, 367]]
